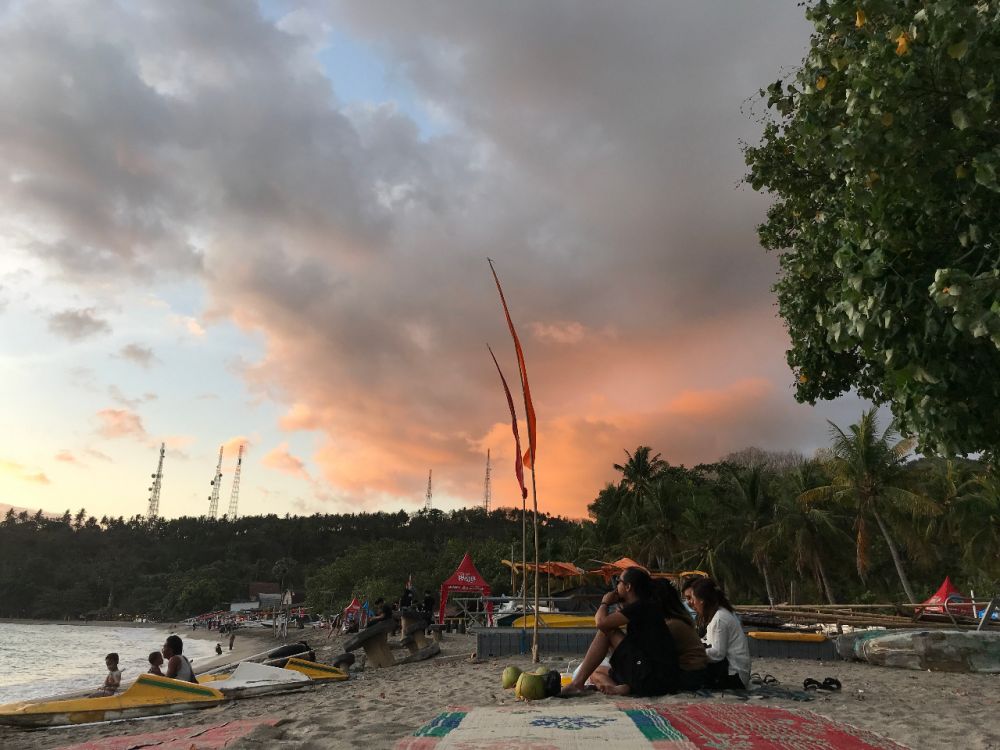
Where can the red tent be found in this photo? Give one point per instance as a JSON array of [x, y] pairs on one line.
[[465, 580], [958, 604], [356, 608]]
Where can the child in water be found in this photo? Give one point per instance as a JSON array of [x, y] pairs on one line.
[[155, 662], [114, 679]]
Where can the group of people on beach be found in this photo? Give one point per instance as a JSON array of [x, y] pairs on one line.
[[652, 646], [169, 661]]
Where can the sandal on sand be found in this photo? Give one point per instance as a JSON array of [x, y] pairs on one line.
[[810, 684], [831, 683], [756, 679], [587, 690], [770, 679]]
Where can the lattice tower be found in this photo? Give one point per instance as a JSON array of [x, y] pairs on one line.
[[427, 499], [234, 496], [213, 499], [487, 492], [154, 491]]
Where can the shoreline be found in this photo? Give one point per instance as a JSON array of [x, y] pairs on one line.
[[377, 707]]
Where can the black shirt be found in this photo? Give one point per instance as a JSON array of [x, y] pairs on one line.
[[406, 600], [647, 659]]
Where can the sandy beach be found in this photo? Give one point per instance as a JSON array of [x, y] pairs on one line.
[[377, 707]]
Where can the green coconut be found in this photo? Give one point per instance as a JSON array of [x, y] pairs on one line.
[[509, 678], [541, 670], [530, 687]]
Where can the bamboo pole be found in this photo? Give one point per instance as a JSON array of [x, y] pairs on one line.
[[534, 499]]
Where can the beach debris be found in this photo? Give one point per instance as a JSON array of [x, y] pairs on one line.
[[374, 641], [509, 677]]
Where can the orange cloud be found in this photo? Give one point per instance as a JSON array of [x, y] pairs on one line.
[[281, 460], [116, 423], [66, 457], [19, 471]]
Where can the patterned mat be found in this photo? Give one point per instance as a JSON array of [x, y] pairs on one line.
[[562, 725], [210, 737]]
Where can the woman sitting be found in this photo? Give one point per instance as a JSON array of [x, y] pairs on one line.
[[643, 659], [726, 644], [691, 654]]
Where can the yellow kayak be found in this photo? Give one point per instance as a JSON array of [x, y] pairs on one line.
[[149, 695], [772, 635], [554, 620], [316, 671]]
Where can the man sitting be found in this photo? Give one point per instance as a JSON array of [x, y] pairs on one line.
[[178, 666]]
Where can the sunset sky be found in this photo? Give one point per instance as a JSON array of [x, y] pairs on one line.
[[226, 221]]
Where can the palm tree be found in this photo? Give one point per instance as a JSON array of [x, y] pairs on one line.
[[756, 507], [868, 476], [806, 532], [639, 477]]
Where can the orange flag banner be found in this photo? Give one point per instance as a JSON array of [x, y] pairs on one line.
[[518, 467], [529, 409]]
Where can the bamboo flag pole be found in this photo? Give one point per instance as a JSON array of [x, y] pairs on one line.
[[530, 456], [534, 631]]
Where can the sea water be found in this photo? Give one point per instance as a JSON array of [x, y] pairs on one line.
[[39, 660]]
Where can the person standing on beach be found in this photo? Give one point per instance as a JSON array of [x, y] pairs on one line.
[[232, 639], [429, 605], [178, 666]]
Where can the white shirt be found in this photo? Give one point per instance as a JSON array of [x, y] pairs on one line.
[[725, 640]]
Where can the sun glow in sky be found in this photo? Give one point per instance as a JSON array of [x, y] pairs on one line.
[[225, 222]]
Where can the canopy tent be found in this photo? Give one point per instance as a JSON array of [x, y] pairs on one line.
[[357, 609], [465, 580], [948, 599], [609, 569], [557, 569]]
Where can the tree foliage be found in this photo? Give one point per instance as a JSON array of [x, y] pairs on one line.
[[882, 154]]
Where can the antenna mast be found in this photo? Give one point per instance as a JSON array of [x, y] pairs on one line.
[[213, 499], [427, 500], [154, 491], [487, 493], [234, 496]]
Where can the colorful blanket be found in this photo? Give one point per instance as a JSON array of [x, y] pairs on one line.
[[563, 725], [202, 737]]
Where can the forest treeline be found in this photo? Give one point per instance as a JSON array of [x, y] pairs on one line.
[[859, 522]]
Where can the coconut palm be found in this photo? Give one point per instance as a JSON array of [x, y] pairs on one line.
[[755, 507], [868, 477], [807, 533], [640, 475]]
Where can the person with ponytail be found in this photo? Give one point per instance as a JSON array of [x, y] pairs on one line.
[[726, 645], [643, 658], [691, 655]]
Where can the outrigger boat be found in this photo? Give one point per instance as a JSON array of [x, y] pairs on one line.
[[149, 695], [250, 679]]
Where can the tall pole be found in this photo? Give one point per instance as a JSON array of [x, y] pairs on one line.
[[427, 498], [487, 491], [154, 491], [213, 499], [534, 632], [234, 495]]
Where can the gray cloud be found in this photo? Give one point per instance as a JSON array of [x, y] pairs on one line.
[[139, 354], [590, 148], [77, 324]]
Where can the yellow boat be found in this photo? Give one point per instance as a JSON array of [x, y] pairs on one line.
[[554, 620], [316, 671], [773, 635], [149, 695]]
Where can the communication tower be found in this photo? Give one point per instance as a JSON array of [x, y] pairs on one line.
[[487, 492], [213, 499], [234, 496], [427, 499], [154, 491]]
